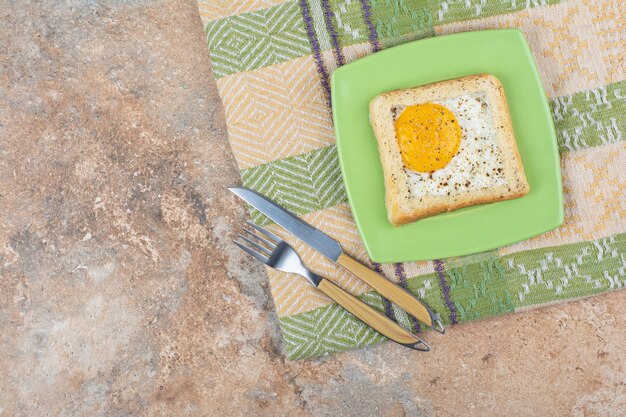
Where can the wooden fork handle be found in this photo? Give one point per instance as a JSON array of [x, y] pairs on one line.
[[388, 289], [367, 314]]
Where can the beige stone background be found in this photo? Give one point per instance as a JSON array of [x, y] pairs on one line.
[[121, 293]]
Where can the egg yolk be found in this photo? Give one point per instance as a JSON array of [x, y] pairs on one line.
[[429, 136]]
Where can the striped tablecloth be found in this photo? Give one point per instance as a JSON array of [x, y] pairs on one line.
[[273, 59]]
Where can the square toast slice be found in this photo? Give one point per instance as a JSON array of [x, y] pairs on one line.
[[487, 167]]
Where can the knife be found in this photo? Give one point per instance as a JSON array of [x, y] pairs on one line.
[[331, 249]]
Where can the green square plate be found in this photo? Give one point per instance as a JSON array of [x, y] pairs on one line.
[[503, 53]]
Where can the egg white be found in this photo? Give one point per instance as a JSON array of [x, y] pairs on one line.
[[478, 163]]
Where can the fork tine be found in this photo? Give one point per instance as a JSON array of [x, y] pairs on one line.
[[255, 244], [262, 239], [257, 255], [267, 233]]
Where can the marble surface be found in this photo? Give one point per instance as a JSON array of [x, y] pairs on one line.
[[122, 295]]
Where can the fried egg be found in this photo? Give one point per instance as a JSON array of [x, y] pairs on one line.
[[447, 146]]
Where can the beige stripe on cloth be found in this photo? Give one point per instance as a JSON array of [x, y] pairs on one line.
[[281, 110], [575, 49], [276, 112], [594, 181], [218, 9]]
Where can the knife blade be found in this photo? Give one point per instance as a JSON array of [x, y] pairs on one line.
[[331, 249], [313, 237]]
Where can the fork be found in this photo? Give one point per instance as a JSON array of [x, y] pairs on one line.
[[271, 250]]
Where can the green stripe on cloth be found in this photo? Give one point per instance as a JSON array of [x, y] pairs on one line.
[[319, 25], [277, 34], [312, 181], [255, 40], [302, 183], [325, 330], [479, 289], [569, 271], [349, 23], [426, 287], [590, 118], [486, 286], [449, 11], [400, 21]]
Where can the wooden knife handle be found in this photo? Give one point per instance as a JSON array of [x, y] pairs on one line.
[[388, 289], [367, 314]]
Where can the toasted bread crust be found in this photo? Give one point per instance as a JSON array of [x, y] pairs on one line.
[[403, 208]]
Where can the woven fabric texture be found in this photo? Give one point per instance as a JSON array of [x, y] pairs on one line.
[[273, 60]]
